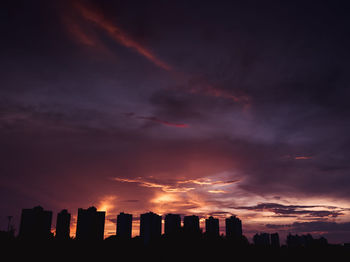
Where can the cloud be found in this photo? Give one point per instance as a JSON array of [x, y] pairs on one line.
[[177, 185], [163, 122], [203, 87], [166, 186], [217, 191], [155, 120], [117, 34], [79, 34], [302, 157], [314, 226], [131, 200], [297, 210], [196, 85]]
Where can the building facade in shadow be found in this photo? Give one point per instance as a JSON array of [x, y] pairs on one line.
[[172, 225], [307, 240], [63, 225], [275, 240], [124, 225], [191, 225], [35, 224], [212, 227], [150, 227], [233, 227], [262, 239], [90, 224]]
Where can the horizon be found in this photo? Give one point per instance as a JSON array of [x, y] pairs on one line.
[[185, 107], [110, 226]]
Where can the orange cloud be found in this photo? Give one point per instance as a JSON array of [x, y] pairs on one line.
[[217, 191], [107, 203], [119, 35], [180, 186], [296, 157], [165, 187], [208, 182], [302, 157]]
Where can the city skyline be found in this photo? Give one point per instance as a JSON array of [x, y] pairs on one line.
[[36, 224], [189, 107], [65, 219], [176, 240]]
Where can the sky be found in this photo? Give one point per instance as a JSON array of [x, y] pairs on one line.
[[191, 107]]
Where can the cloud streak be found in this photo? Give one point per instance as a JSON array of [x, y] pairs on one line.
[[78, 32], [173, 186], [156, 120], [117, 34], [297, 210], [163, 122], [204, 88]]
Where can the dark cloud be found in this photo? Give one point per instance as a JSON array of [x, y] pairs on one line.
[[160, 121], [317, 226], [294, 210]]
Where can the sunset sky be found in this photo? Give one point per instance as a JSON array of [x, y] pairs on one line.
[[188, 107]]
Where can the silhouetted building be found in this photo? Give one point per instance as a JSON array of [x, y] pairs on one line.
[[305, 241], [262, 239], [212, 227], [172, 224], [90, 224], [275, 240], [63, 225], [35, 224], [150, 227], [233, 227], [298, 241], [191, 225], [322, 241], [124, 225]]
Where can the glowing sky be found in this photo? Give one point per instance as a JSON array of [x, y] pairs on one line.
[[190, 107]]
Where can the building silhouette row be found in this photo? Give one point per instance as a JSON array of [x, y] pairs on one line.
[[36, 224], [305, 241], [265, 240]]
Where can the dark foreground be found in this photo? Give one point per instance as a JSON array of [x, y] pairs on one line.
[[17, 250]]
